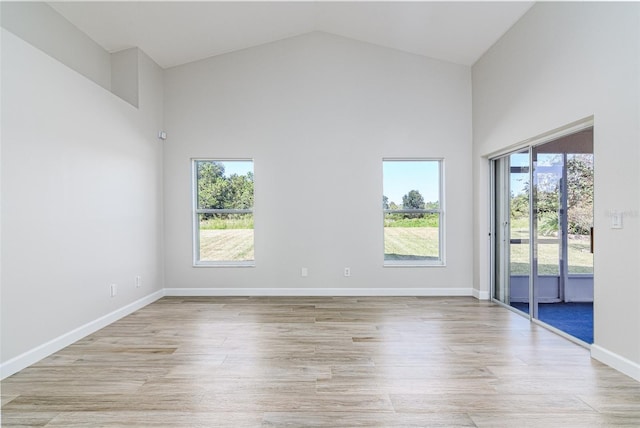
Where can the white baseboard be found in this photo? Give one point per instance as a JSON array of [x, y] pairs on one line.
[[317, 292], [480, 295], [36, 354], [616, 361]]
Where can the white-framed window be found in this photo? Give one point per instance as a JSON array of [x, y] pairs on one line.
[[223, 212], [413, 212]]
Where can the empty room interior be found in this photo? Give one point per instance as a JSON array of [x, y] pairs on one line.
[[320, 214]]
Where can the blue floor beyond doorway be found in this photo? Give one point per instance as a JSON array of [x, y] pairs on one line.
[[575, 319]]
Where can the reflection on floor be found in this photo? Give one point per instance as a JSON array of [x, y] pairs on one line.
[[575, 319]]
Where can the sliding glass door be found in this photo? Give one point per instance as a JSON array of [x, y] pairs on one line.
[[563, 219], [512, 229], [542, 246]]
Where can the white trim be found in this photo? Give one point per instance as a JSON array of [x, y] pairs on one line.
[[317, 292], [480, 295], [413, 263], [197, 211], [554, 134], [225, 264], [40, 352], [441, 261], [616, 361]]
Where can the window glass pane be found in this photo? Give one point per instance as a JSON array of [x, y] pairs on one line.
[[519, 248], [580, 212], [580, 256], [548, 253], [226, 237], [412, 185], [224, 184], [413, 237], [224, 231], [547, 180]]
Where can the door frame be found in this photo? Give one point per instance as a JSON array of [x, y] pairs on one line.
[[529, 145]]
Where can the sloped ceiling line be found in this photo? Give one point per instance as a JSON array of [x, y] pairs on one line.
[[175, 33]]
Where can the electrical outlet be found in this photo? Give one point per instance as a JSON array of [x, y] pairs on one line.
[[347, 271], [114, 290], [138, 281], [304, 272]]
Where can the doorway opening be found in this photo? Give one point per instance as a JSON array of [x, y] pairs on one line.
[[542, 232]]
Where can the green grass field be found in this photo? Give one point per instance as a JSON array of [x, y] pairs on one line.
[[411, 243], [226, 221], [226, 245], [401, 243], [233, 241], [580, 257]]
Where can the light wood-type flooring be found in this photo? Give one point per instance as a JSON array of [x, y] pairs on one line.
[[321, 362]]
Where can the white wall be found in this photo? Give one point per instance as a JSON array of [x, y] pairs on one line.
[[124, 75], [318, 113], [560, 63], [44, 28], [81, 200]]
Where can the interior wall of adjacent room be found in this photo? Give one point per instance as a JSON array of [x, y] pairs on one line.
[[560, 63], [81, 196], [318, 113]]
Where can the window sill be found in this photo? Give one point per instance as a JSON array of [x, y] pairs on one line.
[[411, 263], [224, 264]]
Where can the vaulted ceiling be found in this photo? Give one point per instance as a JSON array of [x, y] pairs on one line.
[[174, 33]]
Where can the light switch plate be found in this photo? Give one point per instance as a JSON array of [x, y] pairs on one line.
[[616, 220]]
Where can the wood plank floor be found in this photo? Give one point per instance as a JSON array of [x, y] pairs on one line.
[[321, 362]]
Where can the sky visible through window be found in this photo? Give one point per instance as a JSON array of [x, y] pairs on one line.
[[400, 177], [237, 167], [519, 181]]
